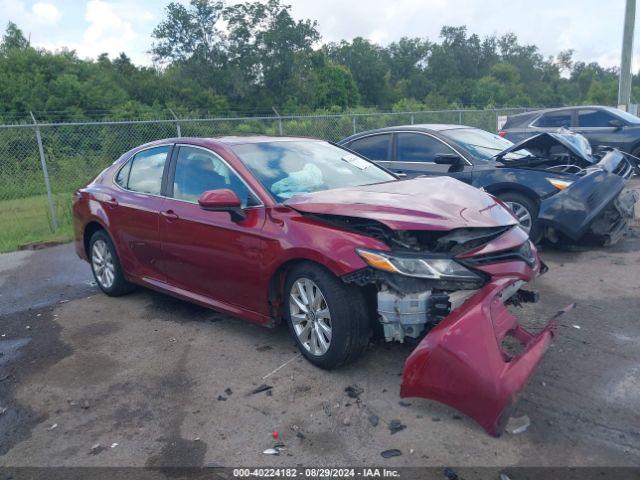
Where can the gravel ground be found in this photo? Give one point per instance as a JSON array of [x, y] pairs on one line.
[[147, 380]]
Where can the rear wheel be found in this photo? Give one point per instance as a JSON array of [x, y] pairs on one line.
[[327, 318], [526, 211], [105, 265]]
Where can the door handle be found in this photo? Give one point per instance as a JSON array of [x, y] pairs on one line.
[[169, 215]]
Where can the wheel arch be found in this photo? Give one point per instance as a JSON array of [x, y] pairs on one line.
[[89, 229], [502, 188], [276, 285]]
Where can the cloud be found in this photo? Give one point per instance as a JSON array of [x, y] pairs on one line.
[[46, 12]]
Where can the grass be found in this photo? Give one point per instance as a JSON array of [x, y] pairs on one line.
[[27, 220]]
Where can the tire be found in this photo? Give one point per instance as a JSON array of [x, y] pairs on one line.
[[346, 308], [115, 284], [522, 203]]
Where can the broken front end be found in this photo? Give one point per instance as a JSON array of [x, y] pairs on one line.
[[448, 291]]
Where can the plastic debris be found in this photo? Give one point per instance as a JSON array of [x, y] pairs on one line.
[[228, 391], [96, 449], [394, 452], [271, 451], [275, 434], [450, 473], [517, 425], [221, 398], [55, 425], [28, 327], [395, 426], [300, 435], [374, 419], [114, 445], [262, 388], [85, 405], [3, 410], [577, 327], [353, 391]]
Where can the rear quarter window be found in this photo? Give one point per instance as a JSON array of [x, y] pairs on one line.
[[373, 147]]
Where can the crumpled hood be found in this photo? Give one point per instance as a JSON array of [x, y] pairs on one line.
[[441, 203], [575, 143]]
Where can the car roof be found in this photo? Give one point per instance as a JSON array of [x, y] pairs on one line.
[[561, 109], [225, 140], [421, 127]]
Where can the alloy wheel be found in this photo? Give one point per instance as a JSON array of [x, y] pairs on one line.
[[310, 316], [522, 214], [102, 262]]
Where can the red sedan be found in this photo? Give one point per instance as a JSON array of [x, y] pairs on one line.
[[303, 231]]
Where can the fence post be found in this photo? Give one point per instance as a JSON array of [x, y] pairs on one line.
[[412, 119], [279, 120], [175, 117], [45, 172], [354, 126], [460, 117]]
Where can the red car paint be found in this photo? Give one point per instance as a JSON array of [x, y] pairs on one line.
[[235, 266]]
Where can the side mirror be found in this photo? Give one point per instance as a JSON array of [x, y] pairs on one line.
[[222, 200], [616, 123], [448, 159]]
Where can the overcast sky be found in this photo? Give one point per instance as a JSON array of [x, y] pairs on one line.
[[593, 28]]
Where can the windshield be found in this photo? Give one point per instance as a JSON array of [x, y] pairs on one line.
[[626, 116], [286, 168], [482, 145]]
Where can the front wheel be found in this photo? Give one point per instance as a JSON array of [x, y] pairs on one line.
[[526, 211], [327, 318]]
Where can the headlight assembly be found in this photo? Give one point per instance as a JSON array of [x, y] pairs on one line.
[[559, 184], [420, 267]]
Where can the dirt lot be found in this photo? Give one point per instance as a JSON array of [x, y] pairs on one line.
[[155, 381]]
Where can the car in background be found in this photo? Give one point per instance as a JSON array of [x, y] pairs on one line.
[[295, 230], [601, 126], [555, 186]]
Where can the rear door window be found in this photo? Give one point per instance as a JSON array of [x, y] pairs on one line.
[[594, 118], [147, 168], [416, 147], [373, 147], [554, 120]]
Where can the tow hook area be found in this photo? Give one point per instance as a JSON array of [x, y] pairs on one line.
[[463, 363]]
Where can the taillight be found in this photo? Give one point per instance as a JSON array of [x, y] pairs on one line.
[[502, 133]]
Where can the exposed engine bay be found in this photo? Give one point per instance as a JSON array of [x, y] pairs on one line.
[[567, 152]]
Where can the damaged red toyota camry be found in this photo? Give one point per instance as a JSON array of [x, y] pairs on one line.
[[300, 230]]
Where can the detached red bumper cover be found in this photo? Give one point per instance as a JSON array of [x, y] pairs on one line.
[[461, 362]]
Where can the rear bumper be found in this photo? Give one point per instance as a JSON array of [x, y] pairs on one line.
[[461, 361]]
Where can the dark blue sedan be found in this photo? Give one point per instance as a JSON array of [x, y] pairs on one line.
[[554, 184]]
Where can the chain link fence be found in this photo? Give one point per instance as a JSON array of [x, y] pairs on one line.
[[42, 164]]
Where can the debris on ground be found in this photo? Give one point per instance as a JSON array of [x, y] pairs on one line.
[[263, 348], [395, 426], [504, 476], [402, 403], [450, 473], [577, 327], [2, 379], [374, 419], [262, 388], [275, 434], [353, 391], [221, 398], [394, 452], [327, 409], [114, 445], [3, 410], [455, 416], [55, 425], [271, 451], [435, 419], [517, 425], [228, 391], [346, 422], [300, 435], [96, 449], [85, 404]]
